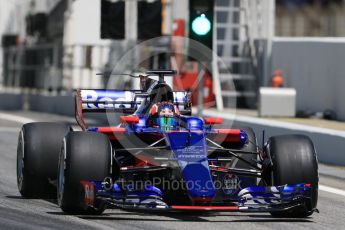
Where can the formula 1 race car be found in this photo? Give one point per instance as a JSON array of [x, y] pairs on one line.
[[160, 157]]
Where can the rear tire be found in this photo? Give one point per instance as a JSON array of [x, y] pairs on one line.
[[294, 161], [84, 156], [37, 158]]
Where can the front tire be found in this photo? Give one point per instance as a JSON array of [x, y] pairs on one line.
[[84, 156], [294, 161]]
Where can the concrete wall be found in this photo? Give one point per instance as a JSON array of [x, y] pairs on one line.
[[316, 68], [11, 101], [329, 144], [62, 105], [329, 148]]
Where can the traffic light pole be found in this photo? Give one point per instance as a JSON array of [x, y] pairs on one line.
[[201, 73]]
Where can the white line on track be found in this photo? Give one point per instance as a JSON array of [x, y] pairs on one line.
[[331, 190], [15, 118], [10, 129], [23, 120]]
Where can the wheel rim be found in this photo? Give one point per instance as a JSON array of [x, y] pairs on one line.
[[20, 161], [61, 176]]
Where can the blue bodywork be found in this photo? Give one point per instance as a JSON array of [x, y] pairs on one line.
[[190, 151], [188, 147]]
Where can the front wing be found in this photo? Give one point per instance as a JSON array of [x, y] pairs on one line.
[[250, 199]]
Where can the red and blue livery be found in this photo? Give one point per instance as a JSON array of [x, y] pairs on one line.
[[159, 157]]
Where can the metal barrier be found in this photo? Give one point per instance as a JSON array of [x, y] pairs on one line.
[[28, 66], [52, 67], [56, 68]]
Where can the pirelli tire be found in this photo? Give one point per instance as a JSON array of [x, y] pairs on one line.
[[37, 158], [84, 156], [294, 161]]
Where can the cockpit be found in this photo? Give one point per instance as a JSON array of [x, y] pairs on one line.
[[163, 115], [158, 92]]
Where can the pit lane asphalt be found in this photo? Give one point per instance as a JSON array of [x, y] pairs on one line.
[[19, 213]]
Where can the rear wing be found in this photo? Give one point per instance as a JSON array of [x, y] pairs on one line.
[[119, 101]]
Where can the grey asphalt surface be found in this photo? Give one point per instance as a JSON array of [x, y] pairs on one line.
[[19, 213]]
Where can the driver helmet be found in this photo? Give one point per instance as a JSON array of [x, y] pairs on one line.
[[165, 115]]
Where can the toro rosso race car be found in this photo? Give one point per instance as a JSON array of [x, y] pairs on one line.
[[160, 157]]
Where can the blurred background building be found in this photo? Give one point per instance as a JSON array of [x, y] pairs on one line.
[[310, 18], [56, 46], [60, 45]]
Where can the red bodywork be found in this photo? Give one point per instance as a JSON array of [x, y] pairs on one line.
[[205, 208]]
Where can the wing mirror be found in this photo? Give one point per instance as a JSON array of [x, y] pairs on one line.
[[129, 119], [213, 120]]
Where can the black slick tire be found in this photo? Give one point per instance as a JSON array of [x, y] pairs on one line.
[[84, 156], [37, 158], [294, 161]]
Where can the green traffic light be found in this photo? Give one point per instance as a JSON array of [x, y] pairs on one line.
[[201, 25]]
